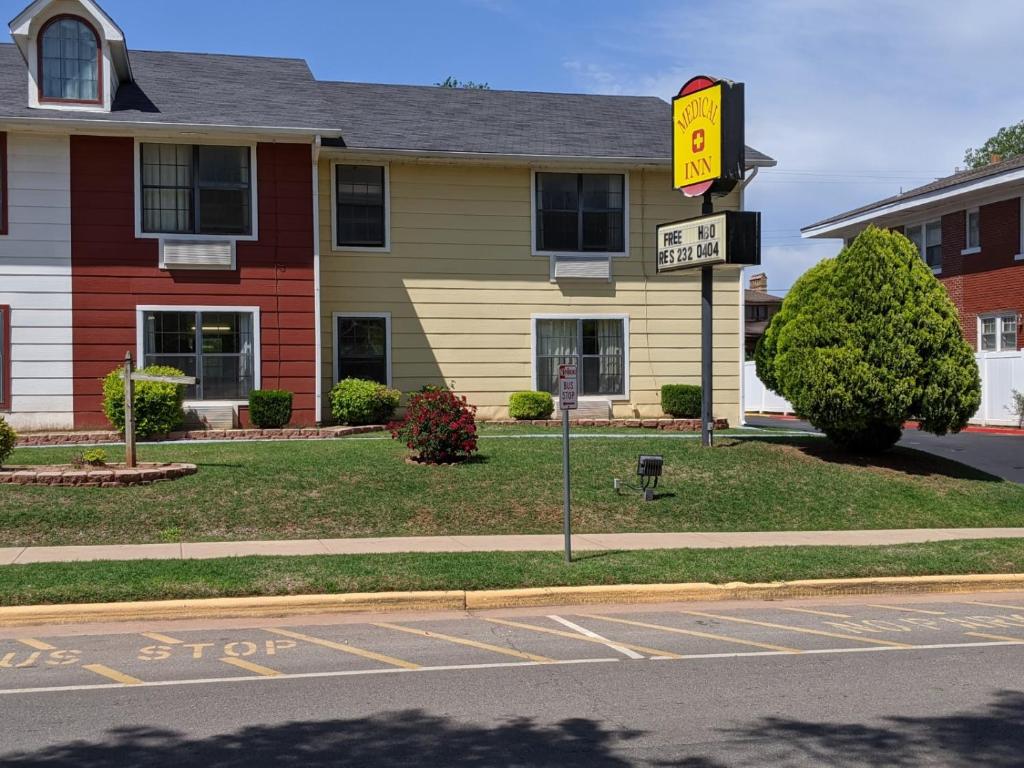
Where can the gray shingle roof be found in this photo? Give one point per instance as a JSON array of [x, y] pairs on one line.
[[946, 182]]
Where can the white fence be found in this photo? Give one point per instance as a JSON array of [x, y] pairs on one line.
[[1001, 374]]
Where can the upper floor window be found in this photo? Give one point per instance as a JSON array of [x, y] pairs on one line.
[[757, 312], [70, 62], [580, 212], [973, 227], [360, 196], [199, 190], [928, 239], [997, 333]]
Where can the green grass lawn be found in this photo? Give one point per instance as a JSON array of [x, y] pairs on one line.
[[244, 576], [363, 487]]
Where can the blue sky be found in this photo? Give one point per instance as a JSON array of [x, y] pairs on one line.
[[856, 100]]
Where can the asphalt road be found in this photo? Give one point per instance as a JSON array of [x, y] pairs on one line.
[[1001, 456], [871, 681]]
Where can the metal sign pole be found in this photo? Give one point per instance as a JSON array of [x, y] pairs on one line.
[[129, 415], [566, 520], [707, 302]]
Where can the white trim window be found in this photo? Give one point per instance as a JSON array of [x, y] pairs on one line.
[[362, 346], [928, 239], [580, 213], [196, 191], [598, 344], [972, 231], [217, 345], [998, 332], [361, 207]]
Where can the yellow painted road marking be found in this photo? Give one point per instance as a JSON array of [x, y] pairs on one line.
[[706, 635], [345, 648], [161, 638], [39, 645], [823, 633], [995, 637], [816, 613], [584, 638], [250, 667], [995, 605], [908, 610], [470, 643], [113, 674]]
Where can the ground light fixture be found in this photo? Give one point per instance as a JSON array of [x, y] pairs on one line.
[[648, 469]]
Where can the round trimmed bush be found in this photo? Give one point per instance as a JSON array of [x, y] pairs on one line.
[[8, 437], [867, 341], [681, 401], [270, 408], [157, 405], [361, 401], [530, 405], [439, 426]]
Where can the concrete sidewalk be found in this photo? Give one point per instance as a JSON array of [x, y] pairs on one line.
[[542, 543]]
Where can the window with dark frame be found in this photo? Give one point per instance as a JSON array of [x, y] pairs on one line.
[[4, 223], [196, 189], [362, 344], [70, 62], [5, 358], [360, 199], [580, 212], [973, 227], [598, 346]]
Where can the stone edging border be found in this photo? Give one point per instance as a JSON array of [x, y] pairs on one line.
[[675, 425], [116, 476]]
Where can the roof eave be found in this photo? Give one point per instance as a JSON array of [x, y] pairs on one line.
[[120, 127]]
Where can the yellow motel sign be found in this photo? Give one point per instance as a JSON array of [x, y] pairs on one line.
[[707, 134]]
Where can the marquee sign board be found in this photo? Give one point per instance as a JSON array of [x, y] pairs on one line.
[[707, 135], [731, 237]]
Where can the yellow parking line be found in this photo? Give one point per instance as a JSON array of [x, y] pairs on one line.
[[470, 643], [39, 645], [995, 637], [345, 648], [250, 667], [804, 630], [816, 613], [908, 610], [161, 638], [584, 638], [994, 605], [706, 635], [112, 674]]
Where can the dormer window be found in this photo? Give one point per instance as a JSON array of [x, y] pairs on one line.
[[70, 62]]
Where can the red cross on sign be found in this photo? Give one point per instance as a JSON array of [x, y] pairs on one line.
[[698, 140]]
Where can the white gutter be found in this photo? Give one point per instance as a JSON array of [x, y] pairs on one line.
[[136, 127], [317, 316], [917, 201]]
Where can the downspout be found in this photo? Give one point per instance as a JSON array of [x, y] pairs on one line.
[[318, 329]]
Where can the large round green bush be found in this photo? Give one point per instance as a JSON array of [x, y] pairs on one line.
[[868, 340], [156, 405], [530, 405], [361, 401], [681, 401], [8, 437]]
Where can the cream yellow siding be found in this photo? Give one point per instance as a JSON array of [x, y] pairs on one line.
[[462, 287]]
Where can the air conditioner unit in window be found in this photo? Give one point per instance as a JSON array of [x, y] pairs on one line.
[[566, 266], [197, 254]]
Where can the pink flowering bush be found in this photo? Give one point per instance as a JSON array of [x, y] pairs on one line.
[[439, 426]]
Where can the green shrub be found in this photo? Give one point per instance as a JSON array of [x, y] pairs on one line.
[[867, 341], [361, 401], [530, 405], [270, 408], [156, 405], [681, 401], [439, 425], [8, 437], [92, 457]]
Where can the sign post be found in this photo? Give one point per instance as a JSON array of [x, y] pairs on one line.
[[130, 377], [567, 401]]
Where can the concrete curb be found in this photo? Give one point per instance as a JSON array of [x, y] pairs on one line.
[[459, 600]]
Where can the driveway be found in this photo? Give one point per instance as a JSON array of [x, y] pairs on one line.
[[999, 455]]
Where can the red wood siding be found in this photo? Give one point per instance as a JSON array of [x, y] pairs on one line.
[[113, 272]]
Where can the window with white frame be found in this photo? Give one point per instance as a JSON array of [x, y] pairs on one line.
[[196, 190], [360, 200], [998, 332], [580, 212], [363, 347], [928, 239], [973, 229], [218, 347], [597, 346]]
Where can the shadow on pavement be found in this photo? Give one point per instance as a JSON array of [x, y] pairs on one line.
[[410, 737]]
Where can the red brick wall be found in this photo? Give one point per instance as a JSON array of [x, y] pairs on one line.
[[988, 281], [113, 272]]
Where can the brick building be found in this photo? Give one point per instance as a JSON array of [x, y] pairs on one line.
[[760, 308], [969, 228]]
